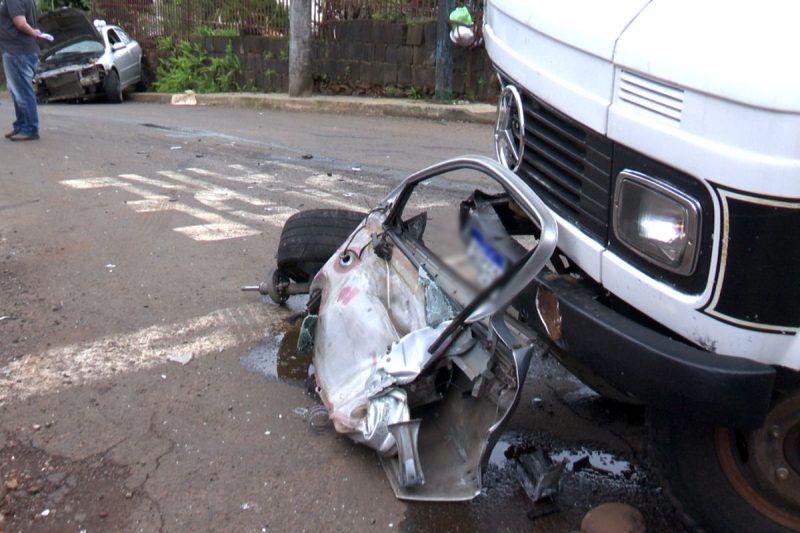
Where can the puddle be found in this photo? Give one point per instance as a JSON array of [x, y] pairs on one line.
[[277, 358], [601, 462], [578, 459], [592, 476], [296, 303]]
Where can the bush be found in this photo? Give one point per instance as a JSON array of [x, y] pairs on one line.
[[208, 31], [189, 67]]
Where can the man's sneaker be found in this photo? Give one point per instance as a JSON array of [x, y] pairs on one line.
[[10, 134], [24, 137]]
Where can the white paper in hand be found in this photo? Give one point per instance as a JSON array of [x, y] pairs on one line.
[[48, 37]]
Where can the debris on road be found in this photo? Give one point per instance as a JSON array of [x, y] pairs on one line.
[[187, 98], [538, 475], [542, 509], [318, 418], [182, 358], [613, 518]]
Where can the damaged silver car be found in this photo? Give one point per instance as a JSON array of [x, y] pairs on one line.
[[416, 352], [86, 60]]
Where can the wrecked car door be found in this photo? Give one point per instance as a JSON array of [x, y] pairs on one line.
[[415, 358]]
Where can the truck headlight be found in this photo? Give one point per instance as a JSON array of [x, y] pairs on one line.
[[657, 221]]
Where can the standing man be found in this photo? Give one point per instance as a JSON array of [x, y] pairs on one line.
[[20, 60]]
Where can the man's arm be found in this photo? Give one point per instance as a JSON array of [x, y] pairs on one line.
[[22, 25]]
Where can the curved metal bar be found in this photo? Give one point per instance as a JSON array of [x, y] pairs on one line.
[[520, 192]]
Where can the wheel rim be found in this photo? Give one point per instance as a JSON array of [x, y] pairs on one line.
[[764, 465]]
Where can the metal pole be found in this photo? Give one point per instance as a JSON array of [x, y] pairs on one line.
[[444, 52], [300, 73]]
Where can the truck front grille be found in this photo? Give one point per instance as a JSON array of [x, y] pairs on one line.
[[568, 166]]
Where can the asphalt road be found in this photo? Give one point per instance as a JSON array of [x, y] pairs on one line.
[[125, 233]]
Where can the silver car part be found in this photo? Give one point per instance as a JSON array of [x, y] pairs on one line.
[[465, 385]]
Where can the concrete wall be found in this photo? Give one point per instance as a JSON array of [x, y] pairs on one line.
[[363, 57]]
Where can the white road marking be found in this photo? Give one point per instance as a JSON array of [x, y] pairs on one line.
[[249, 177], [113, 182], [89, 183], [88, 362], [149, 205], [153, 183], [229, 214], [215, 227], [217, 232]]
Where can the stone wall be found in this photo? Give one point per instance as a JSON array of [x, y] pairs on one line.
[[363, 57]]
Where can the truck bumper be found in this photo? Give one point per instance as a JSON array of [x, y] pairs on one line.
[[660, 371]]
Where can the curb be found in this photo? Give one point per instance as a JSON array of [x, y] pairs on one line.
[[476, 113]]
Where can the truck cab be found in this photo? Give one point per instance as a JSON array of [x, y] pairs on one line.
[[665, 138]]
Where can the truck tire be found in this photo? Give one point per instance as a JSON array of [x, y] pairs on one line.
[[727, 480], [310, 238]]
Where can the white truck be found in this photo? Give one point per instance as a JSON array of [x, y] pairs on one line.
[[665, 137]]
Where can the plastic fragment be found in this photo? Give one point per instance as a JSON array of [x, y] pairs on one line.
[[182, 358], [461, 15]]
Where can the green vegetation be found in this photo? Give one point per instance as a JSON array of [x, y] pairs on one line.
[[383, 10], [187, 66], [208, 31], [414, 93], [252, 17], [50, 5]]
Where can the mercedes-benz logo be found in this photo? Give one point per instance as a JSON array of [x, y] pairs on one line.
[[509, 131]]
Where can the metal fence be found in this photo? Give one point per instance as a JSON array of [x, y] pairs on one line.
[[153, 19]]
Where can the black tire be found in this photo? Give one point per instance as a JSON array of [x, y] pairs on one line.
[[112, 87], [310, 238], [713, 475], [144, 78]]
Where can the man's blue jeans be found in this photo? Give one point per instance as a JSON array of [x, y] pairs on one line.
[[19, 70]]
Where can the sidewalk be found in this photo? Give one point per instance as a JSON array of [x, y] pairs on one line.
[[356, 105]]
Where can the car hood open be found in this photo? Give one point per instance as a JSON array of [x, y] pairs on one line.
[[66, 25]]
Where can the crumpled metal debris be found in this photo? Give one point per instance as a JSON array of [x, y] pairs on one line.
[[538, 475], [410, 358], [373, 318]]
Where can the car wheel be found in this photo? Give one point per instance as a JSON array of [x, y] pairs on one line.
[[310, 238], [728, 480], [112, 87], [144, 78]]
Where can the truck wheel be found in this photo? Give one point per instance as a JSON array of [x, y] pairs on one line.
[[112, 87], [729, 480], [310, 238]]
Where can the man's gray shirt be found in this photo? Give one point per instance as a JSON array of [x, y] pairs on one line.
[[13, 41]]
